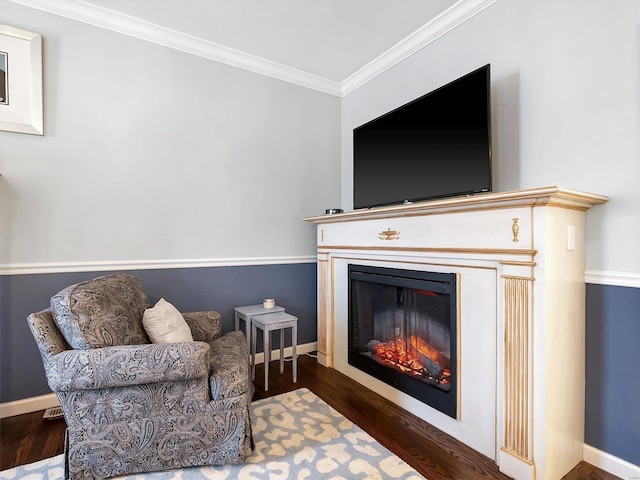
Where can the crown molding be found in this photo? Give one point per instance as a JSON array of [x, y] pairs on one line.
[[597, 277], [102, 17], [458, 13]]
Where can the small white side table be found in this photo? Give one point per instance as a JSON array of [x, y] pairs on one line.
[[268, 323], [245, 313]]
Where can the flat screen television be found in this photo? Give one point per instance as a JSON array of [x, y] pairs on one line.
[[436, 146]]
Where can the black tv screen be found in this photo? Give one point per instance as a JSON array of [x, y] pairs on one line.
[[438, 145]]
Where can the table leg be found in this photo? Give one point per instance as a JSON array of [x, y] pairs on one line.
[[281, 350], [248, 322], [267, 355], [253, 354], [294, 347]]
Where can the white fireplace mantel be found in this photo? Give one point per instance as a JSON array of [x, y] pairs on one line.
[[520, 261]]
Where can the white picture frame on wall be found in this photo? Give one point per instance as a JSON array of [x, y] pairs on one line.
[[21, 110]]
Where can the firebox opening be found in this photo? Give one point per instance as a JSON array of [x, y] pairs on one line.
[[402, 330]]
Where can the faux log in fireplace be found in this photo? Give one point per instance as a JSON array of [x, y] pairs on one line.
[[402, 330]]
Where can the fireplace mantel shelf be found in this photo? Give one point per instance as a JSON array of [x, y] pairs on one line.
[[535, 196], [520, 260]]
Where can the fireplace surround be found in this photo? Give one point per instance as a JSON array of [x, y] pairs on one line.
[[519, 262]]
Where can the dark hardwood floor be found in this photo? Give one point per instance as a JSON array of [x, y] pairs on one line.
[[28, 438]]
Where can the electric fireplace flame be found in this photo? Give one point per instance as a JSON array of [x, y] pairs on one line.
[[402, 331], [415, 358]]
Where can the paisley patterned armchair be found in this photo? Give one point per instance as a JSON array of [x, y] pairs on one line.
[[132, 406]]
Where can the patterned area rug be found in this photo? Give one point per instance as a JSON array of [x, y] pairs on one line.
[[297, 436]]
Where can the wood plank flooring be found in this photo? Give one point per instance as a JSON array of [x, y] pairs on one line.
[[437, 456]]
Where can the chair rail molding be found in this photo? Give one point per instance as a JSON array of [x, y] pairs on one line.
[[108, 265], [618, 279]]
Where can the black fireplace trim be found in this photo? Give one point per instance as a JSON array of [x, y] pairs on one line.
[[445, 402]]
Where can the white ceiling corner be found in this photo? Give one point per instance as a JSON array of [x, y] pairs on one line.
[[455, 15], [134, 26]]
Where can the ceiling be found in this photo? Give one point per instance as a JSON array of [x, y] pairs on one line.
[[329, 45], [328, 38]]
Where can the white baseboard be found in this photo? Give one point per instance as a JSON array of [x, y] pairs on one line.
[[301, 350], [28, 405], [607, 462], [33, 404]]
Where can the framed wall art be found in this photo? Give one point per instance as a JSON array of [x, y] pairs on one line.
[[20, 81]]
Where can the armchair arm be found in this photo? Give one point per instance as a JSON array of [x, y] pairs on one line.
[[127, 365], [205, 326]]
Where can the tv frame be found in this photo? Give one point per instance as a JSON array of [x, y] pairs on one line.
[[486, 165]]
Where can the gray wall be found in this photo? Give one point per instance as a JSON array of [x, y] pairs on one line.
[[154, 154], [156, 157], [565, 96], [189, 289], [565, 107], [613, 371], [151, 154]]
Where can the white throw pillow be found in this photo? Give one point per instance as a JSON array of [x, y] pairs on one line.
[[165, 324]]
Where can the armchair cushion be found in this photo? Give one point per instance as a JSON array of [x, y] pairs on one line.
[[229, 365], [102, 312], [205, 326], [165, 324]]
